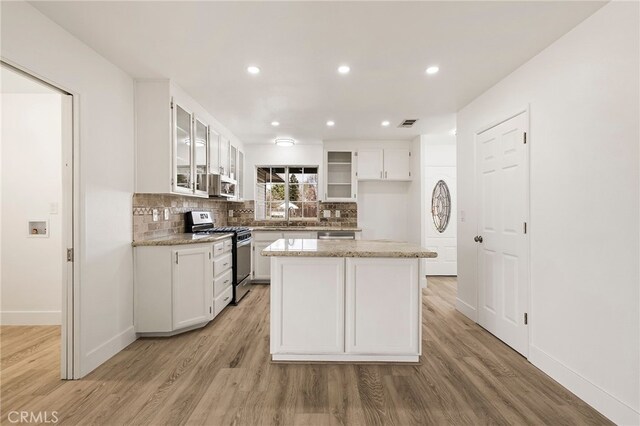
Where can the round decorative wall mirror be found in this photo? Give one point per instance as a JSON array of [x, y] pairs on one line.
[[441, 205]]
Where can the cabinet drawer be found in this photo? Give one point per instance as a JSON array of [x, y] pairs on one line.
[[221, 264], [218, 249], [223, 300], [222, 282], [228, 245]]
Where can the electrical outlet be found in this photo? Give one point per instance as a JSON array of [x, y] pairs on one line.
[[337, 213], [326, 213], [166, 214], [155, 215], [230, 213]]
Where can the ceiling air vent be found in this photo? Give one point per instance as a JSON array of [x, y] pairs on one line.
[[408, 123]]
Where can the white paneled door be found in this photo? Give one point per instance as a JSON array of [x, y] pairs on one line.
[[502, 240], [440, 235]]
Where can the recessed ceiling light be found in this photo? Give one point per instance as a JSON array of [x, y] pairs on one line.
[[385, 123], [275, 123], [285, 142], [331, 123], [432, 70], [344, 69], [253, 70]]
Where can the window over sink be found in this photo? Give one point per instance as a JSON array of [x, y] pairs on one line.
[[286, 193]]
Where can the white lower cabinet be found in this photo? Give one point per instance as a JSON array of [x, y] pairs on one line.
[[191, 287], [382, 306], [178, 289], [261, 267], [353, 309], [313, 321]]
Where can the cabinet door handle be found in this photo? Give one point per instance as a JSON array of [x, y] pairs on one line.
[[226, 298], [226, 281], [385, 175], [225, 264], [380, 174]]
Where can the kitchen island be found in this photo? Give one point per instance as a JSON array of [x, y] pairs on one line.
[[345, 300]]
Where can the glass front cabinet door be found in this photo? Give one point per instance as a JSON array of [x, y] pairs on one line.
[[190, 152], [201, 154], [182, 155]]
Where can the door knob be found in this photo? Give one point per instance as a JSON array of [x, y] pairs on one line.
[[480, 239], [475, 238]]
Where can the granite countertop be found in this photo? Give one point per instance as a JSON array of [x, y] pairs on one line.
[[304, 228], [345, 248], [177, 239]]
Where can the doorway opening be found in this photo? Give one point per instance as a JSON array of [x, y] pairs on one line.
[[36, 224]]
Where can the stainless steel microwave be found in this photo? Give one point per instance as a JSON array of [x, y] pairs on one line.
[[221, 186]]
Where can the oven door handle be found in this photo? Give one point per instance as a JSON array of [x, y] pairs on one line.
[[245, 242]]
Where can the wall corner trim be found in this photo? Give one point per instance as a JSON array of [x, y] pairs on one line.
[[467, 310], [607, 404], [106, 350]]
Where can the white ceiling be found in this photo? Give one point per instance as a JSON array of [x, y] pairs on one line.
[[205, 48]]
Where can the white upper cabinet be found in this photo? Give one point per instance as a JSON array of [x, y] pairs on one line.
[[214, 151], [340, 182], [176, 147], [182, 152], [233, 158], [201, 156], [397, 164], [370, 164], [384, 164], [225, 148]]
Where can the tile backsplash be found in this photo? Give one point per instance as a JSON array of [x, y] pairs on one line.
[[243, 214], [143, 205]]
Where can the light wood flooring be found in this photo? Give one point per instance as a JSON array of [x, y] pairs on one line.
[[221, 375]]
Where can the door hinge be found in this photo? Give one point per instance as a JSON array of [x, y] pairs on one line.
[[409, 174], [176, 258], [210, 310], [409, 153], [209, 255], [526, 318], [69, 255], [171, 103], [525, 137], [525, 227], [355, 153], [356, 174]]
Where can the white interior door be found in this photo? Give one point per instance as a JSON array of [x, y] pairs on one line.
[[442, 241], [503, 255]]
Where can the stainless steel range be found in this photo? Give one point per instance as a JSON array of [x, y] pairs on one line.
[[201, 222]]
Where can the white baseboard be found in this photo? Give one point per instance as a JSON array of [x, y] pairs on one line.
[[102, 353], [30, 318], [611, 407], [467, 310]]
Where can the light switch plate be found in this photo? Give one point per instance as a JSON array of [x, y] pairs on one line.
[[337, 213], [155, 215], [166, 214], [326, 213]]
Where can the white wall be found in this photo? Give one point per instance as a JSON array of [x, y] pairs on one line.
[[583, 92], [104, 101], [268, 155], [31, 181]]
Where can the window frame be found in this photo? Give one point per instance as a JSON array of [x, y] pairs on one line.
[[286, 191]]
